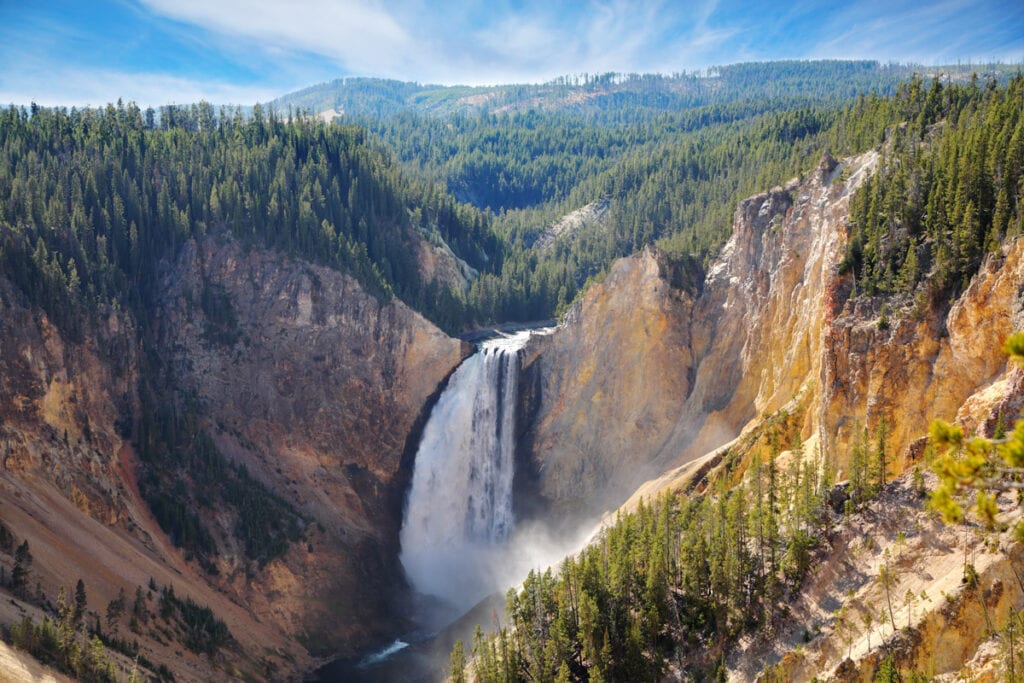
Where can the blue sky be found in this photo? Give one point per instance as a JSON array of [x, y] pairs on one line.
[[77, 52]]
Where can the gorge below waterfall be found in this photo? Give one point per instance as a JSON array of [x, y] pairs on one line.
[[459, 541], [461, 544]]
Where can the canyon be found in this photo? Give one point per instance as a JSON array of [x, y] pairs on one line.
[[322, 392]]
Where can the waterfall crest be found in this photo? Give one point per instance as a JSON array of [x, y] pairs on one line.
[[459, 510]]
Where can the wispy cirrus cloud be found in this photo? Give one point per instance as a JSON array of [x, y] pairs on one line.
[[92, 87], [360, 35], [158, 51], [930, 33]]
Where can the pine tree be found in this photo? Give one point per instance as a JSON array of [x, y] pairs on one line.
[[115, 608], [859, 485], [457, 665], [979, 464], [887, 579], [22, 567], [868, 619], [140, 613], [910, 271], [65, 621], [887, 672], [881, 435], [81, 601]]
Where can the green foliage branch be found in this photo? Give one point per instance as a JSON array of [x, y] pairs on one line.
[[986, 466]]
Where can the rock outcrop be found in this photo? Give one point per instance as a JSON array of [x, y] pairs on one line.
[[68, 484], [610, 384], [925, 364], [938, 620], [317, 394], [62, 394], [320, 391], [669, 375], [317, 388]]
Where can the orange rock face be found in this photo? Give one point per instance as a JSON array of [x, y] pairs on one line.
[[643, 376], [316, 389], [317, 398], [611, 383]]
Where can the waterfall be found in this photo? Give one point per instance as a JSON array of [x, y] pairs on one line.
[[459, 516]]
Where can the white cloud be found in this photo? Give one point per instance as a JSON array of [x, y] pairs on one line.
[[934, 33], [71, 86], [358, 35], [283, 45], [603, 36], [480, 42], [440, 42], [520, 39]]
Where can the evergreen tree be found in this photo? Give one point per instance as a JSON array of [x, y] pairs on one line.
[[22, 567], [457, 669], [81, 601]]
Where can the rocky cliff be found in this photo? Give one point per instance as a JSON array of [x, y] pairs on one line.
[[774, 334], [317, 393], [930, 619], [674, 372], [926, 363], [320, 390], [314, 386], [699, 362], [610, 384]]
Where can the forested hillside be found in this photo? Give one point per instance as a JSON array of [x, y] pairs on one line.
[[617, 97], [106, 303], [675, 183], [669, 173], [97, 197], [689, 573], [228, 224], [95, 202], [93, 199], [949, 190], [712, 570]]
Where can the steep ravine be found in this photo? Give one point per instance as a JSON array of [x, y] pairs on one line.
[[606, 389], [676, 363], [316, 398], [319, 390], [645, 374], [671, 372], [315, 386], [939, 621], [67, 485]]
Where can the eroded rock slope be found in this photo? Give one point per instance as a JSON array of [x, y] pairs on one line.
[[299, 375], [672, 372]]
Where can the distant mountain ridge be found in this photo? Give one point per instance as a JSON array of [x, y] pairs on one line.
[[214, 373], [596, 94]]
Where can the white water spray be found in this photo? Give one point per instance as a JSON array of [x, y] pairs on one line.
[[459, 512]]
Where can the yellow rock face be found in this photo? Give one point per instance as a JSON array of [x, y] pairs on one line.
[[612, 384], [317, 398], [918, 370], [642, 376]]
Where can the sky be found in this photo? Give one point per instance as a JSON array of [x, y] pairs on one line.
[[153, 52]]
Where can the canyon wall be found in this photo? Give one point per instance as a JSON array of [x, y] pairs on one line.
[[317, 396], [317, 388], [669, 373], [607, 388], [320, 391]]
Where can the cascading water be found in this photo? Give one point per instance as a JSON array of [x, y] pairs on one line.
[[460, 540], [459, 511]]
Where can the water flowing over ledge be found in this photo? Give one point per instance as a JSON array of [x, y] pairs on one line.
[[459, 512]]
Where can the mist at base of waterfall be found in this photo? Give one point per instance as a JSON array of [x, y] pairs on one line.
[[459, 579], [460, 540]]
